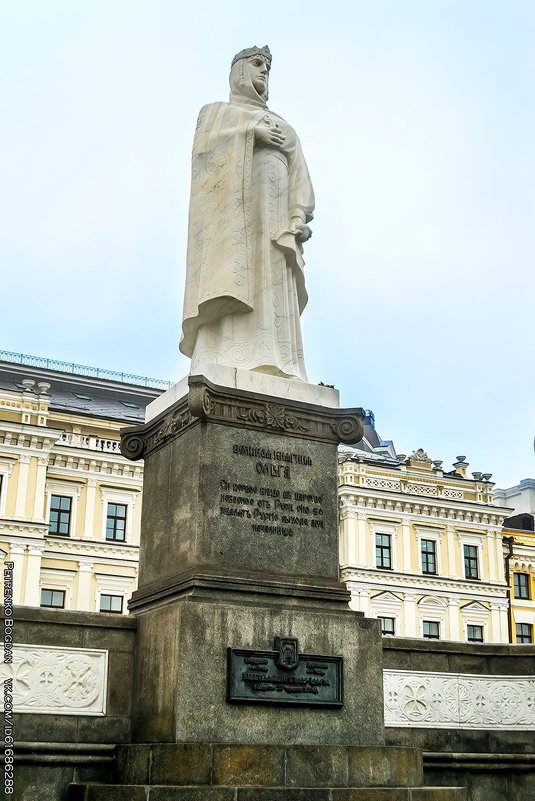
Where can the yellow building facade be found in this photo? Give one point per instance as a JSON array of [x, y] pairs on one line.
[[70, 504], [421, 548], [519, 537]]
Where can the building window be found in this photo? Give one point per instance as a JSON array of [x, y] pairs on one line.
[[429, 556], [111, 603], [60, 515], [524, 632], [387, 625], [431, 630], [383, 551], [3, 493], [471, 567], [521, 585], [53, 598], [474, 633], [116, 522]]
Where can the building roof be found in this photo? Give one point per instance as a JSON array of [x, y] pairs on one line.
[[111, 398], [520, 522]]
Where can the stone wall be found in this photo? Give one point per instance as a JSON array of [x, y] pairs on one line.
[[66, 663], [54, 748], [481, 736]]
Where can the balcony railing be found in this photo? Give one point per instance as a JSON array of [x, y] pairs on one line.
[[82, 369], [90, 443]]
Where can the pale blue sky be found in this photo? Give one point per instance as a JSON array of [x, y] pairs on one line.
[[417, 120]]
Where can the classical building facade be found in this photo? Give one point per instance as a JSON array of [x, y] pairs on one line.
[[521, 497], [519, 537], [70, 504], [420, 547]]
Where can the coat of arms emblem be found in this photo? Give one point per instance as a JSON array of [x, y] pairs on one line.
[[288, 652]]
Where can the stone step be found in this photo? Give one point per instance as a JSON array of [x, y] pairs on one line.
[[137, 792], [269, 765]]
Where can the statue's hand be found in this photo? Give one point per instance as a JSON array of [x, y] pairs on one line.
[[300, 229], [268, 134]]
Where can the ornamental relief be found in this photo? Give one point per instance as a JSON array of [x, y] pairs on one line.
[[59, 681], [171, 425], [206, 401], [233, 407], [382, 483], [458, 701], [272, 416], [457, 495], [421, 489]]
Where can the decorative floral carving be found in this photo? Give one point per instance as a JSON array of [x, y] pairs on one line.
[[458, 700], [217, 162], [272, 416], [137, 442], [170, 426], [78, 682], [240, 408], [420, 456], [60, 681]]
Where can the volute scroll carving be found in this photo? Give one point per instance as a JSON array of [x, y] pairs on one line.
[[248, 410], [230, 406]]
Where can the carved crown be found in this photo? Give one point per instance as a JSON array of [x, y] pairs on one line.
[[420, 456], [253, 51]]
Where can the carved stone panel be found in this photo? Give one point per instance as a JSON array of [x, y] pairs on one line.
[[458, 701], [59, 681]]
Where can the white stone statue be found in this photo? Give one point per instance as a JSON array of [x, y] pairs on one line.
[[251, 200]]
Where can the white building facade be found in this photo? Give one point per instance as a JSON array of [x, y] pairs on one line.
[[421, 548]]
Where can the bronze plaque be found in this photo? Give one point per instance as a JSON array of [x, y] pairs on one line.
[[284, 676]]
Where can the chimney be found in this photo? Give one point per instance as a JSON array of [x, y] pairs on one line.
[[461, 465]]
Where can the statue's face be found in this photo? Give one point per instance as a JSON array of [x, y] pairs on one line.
[[258, 70]]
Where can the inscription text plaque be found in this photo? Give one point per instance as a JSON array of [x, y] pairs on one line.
[[271, 677]]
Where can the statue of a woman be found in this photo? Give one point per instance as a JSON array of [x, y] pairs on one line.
[[251, 200]]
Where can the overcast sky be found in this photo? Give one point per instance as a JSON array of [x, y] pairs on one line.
[[417, 119]]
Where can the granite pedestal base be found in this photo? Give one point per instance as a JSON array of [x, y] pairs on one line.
[[181, 674], [218, 772]]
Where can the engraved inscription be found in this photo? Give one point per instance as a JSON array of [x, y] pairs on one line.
[[266, 506], [266, 501]]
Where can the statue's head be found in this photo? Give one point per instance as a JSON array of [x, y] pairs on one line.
[[249, 52], [249, 72]]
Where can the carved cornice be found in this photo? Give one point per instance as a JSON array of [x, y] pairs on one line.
[[91, 549], [402, 582], [263, 413], [199, 582], [29, 528], [137, 442], [246, 410], [438, 512]]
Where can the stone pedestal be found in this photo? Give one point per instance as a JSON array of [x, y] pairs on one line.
[[182, 674], [239, 546], [254, 681]]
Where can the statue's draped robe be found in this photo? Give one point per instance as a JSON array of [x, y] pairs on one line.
[[245, 287]]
